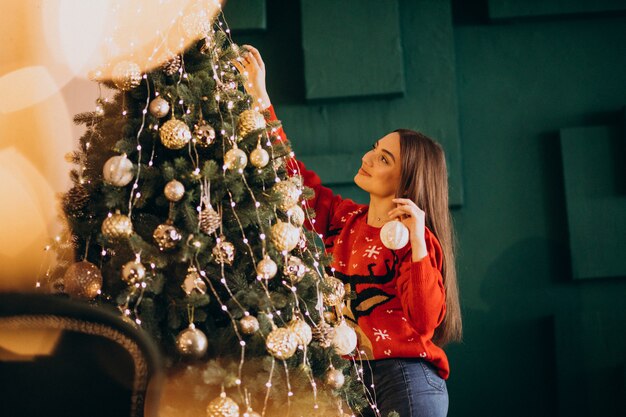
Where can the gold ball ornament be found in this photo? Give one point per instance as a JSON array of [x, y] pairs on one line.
[[259, 157], [126, 75], [133, 272], [344, 339], [175, 134], [192, 342], [117, 226], [209, 220], [394, 235], [235, 159], [281, 343], [118, 171], [302, 330], [249, 324], [166, 236], [296, 215], [266, 268], [82, 280], [287, 193], [334, 378], [335, 291], [222, 406], [203, 134], [284, 236], [224, 251], [174, 190], [248, 122], [159, 107], [193, 282], [294, 268]]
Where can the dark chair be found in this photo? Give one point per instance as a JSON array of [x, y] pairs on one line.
[[61, 357]]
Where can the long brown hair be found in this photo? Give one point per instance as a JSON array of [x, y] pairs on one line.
[[424, 179]]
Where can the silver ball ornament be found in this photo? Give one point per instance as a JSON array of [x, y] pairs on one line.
[[235, 159], [344, 339], [209, 220], [266, 268], [394, 235], [174, 190], [118, 171], [159, 107], [249, 324], [192, 342], [259, 157]]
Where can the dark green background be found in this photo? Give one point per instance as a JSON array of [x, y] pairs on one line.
[[528, 99]]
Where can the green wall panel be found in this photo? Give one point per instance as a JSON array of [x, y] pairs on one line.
[[596, 206], [506, 9], [342, 39], [245, 15]]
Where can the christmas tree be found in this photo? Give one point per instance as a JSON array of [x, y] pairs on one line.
[[185, 218]]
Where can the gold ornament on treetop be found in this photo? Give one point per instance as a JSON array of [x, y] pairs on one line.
[[82, 280], [222, 406], [249, 121], [117, 226], [126, 75], [175, 134]]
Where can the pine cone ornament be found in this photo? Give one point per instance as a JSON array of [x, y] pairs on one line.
[[209, 220], [323, 334], [75, 201], [171, 66], [249, 121]]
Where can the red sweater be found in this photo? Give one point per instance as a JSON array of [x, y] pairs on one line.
[[398, 303]]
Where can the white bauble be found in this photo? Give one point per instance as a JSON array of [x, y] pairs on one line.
[[118, 171], [344, 339], [394, 235]]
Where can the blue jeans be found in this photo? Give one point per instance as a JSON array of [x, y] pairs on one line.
[[409, 386]]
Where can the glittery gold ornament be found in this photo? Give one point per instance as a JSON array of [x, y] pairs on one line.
[[302, 330], [394, 235], [222, 406], [192, 342], [209, 220], [334, 378], [117, 226], [249, 121], [296, 215], [344, 339], [224, 251], [281, 343], [284, 236], [166, 236], [172, 65], [159, 107], [249, 324], [175, 134], [294, 268], [203, 134], [259, 157], [287, 193], [235, 159], [133, 272], [334, 292], [82, 280], [126, 75], [174, 190], [193, 282], [266, 268], [118, 171]]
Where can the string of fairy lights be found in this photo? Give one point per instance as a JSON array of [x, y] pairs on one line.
[[284, 339]]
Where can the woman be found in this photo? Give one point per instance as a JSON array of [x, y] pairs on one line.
[[406, 307]]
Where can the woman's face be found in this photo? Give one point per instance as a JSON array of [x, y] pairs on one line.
[[379, 174]]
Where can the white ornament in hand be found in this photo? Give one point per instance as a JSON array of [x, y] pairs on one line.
[[394, 235]]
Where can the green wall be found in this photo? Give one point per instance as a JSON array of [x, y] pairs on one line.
[[529, 104]]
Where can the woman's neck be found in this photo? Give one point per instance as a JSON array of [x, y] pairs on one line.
[[378, 209]]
